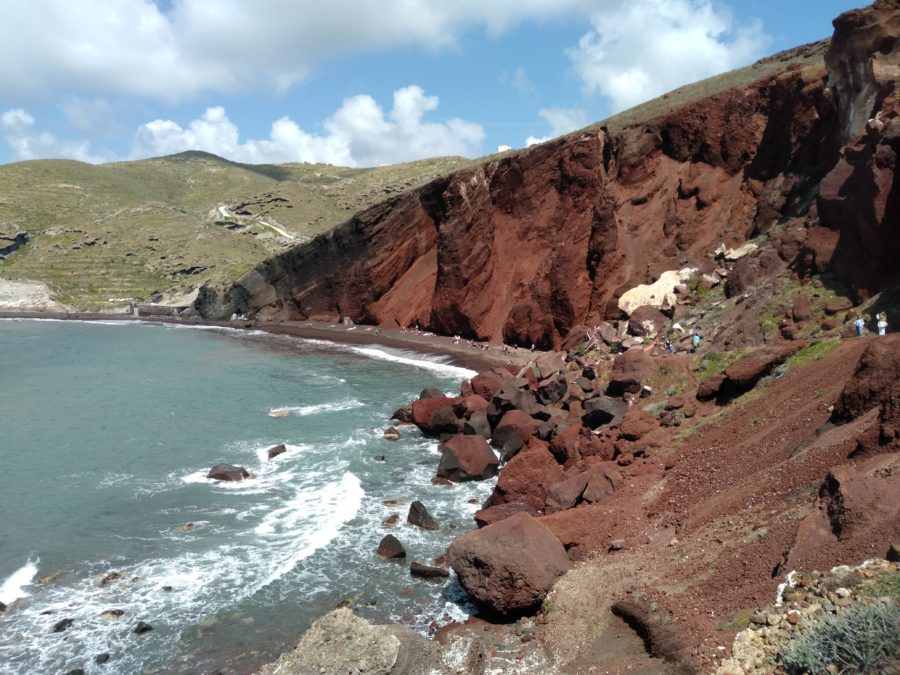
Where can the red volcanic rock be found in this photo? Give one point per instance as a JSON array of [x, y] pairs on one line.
[[488, 383], [565, 494], [469, 405], [509, 566], [512, 432], [710, 387], [418, 515], [854, 508], [802, 308], [436, 415], [630, 370], [603, 480], [744, 373], [467, 458], [636, 424], [494, 514], [874, 380], [527, 476]]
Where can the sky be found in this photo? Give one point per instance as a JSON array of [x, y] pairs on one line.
[[357, 82]]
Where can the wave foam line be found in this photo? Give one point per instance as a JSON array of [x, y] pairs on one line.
[[13, 587], [435, 364]]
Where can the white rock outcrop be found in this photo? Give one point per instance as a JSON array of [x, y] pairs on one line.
[[659, 294]]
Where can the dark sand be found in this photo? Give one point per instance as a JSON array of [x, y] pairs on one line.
[[480, 357]]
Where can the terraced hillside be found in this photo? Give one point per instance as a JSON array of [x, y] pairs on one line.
[[99, 236]]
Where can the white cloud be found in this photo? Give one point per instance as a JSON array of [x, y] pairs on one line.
[[519, 81], [561, 121], [358, 134], [17, 130], [639, 49], [134, 48]]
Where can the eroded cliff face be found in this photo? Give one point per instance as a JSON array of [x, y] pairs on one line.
[[527, 246]]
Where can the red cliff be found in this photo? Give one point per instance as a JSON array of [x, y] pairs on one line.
[[529, 245]]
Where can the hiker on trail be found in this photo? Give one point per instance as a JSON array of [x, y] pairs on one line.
[[695, 342], [882, 323], [860, 325]]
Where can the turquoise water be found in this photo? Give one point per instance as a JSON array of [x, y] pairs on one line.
[[108, 431]]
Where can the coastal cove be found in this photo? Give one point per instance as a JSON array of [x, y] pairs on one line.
[[109, 429]]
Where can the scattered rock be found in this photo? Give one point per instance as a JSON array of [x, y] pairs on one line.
[[142, 627], [100, 659], [113, 614], [419, 516], [109, 578], [417, 569], [391, 520], [494, 514], [391, 434], [565, 494], [228, 472], [390, 548], [276, 450], [630, 370], [61, 625]]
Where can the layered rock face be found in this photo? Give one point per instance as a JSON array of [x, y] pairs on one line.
[[527, 246]]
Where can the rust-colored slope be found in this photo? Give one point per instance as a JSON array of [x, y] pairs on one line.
[[527, 246]]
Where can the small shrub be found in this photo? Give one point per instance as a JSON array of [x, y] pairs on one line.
[[863, 640]]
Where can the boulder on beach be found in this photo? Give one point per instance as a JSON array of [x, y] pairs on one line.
[[419, 516], [467, 457], [228, 472], [494, 514], [509, 567]]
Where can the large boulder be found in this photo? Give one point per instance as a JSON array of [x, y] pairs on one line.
[[744, 373], [466, 457], [228, 472], [636, 424], [488, 383], [527, 476], [874, 379], [516, 394], [510, 566], [629, 372], [436, 415], [646, 321], [512, 432], [602, 480], [550, 363]]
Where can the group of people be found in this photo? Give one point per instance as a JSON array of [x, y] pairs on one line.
[[880, 323]]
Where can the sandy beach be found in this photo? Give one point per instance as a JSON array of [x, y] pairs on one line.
[[479, 357]]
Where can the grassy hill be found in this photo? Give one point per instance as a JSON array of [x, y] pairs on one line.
[[99, 234]]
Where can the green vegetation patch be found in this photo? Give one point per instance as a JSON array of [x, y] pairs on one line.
[[862, 640], [813, 352]]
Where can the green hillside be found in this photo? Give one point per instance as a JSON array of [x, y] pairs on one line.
[[101, 234]]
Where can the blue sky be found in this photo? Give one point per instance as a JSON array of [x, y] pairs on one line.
[[354, 82]]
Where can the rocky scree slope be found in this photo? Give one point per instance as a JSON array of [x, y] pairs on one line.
[[528, 246]]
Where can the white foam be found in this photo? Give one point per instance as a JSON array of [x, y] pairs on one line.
[[13, 587], [305, 410], [435, 364]]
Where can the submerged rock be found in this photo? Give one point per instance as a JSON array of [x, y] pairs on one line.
[[142, 627], [422, 571], [276, 450]]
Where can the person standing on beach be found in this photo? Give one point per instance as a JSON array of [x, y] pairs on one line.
[[860, 326], [882, 323]]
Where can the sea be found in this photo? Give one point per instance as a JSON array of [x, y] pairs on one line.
[[107, 519]]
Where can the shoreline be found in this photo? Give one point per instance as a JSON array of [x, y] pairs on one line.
[[458, 354]]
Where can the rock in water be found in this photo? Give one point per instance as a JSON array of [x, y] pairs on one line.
[[61, 625], [142, 627], [390, 548], [417, 569], [391, 434], [509, 566], [340, 642], [419, 516], [276, 450], [228, 472]]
